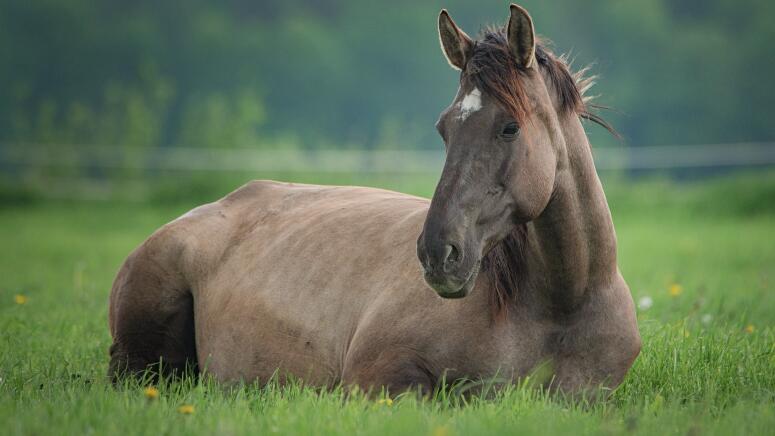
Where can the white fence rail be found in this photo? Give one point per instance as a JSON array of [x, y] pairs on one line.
[[20, 156]]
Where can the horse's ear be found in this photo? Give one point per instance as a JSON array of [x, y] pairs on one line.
[[455, 44], [522, 39]]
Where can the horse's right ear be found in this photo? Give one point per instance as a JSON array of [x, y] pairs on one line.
[[455, 44]]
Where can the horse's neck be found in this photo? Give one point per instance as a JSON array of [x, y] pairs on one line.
[[572, 243]]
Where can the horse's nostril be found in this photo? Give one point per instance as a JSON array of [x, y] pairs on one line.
[[451, 256]]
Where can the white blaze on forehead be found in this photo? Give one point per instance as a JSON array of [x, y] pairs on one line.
[[470, 104]]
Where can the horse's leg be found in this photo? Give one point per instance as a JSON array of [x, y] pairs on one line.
[[397, 370], [151, 313]]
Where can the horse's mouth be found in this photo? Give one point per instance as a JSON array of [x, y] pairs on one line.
[[460, 291]]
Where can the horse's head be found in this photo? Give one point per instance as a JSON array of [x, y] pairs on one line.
[[503, 142]]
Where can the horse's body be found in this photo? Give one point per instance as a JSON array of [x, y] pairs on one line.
[[324, 283]]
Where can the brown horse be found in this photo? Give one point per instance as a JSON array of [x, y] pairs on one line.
[[323, 283]]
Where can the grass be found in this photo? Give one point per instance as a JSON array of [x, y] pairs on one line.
[[707, 366]]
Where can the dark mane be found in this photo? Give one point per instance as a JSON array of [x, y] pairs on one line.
[[504, 268], [494, 69]]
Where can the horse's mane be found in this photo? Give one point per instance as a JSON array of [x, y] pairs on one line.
[[494, 69]]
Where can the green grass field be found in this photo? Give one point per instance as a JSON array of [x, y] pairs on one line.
[[702, 254]]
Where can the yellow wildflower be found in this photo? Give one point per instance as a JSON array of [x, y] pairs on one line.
[[151, 393], [675, 289], [20, 299], [440, 431], [186, 409], [385, 401], [749, 328]]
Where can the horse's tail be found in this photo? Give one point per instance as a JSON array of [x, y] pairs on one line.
[[151, 312]]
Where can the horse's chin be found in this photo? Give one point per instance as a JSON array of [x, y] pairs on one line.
[[463, 290]]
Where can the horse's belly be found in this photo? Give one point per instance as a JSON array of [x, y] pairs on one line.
[[273, 314], [239, 339]]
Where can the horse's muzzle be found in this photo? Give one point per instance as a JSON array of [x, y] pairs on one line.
[[445, 268], [451, 288]]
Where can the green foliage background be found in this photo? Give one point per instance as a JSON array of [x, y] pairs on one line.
[[346, 73]]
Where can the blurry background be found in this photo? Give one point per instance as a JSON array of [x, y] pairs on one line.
[[116, 116], [102, 98]]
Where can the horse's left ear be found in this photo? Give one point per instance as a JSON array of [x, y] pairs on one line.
[[455, 44], [522, 39]]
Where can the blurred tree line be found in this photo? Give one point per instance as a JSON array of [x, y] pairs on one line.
[[356, 73]]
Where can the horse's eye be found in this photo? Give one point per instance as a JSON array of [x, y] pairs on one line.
[[509, 130]]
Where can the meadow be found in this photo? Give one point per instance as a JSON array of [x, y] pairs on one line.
[[698, 256]]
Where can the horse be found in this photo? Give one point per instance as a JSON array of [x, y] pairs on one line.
[[511, 266]]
